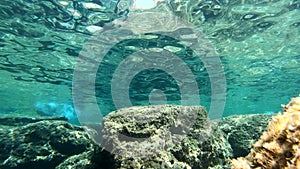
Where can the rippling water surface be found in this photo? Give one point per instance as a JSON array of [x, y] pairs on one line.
[[256, 40]]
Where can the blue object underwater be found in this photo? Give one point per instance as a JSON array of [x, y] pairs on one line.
[[57, 109]]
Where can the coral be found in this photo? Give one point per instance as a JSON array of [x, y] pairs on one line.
[[279, 146]]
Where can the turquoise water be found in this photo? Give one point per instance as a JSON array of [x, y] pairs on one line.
[[257, 42]]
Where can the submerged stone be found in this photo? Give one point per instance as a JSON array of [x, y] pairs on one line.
[[11, 120], [243, 130], [164, 136], [43, 144]]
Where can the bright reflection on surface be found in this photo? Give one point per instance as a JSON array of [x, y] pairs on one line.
[[145, 4]]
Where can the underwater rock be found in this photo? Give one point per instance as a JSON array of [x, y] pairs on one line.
[[96, 159], [164, 136], [10, 120], [79, 161], [43, 144], [242, 130], [279, 146]]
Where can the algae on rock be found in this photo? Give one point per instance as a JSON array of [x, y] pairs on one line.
[[164, 136]]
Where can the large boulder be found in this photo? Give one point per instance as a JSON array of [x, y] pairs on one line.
[[164, 136], [30, 143]]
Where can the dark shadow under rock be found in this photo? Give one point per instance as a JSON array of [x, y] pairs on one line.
[[243, 130], [96, 159]]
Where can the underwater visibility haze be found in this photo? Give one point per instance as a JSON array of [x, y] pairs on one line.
[[127, 53], [257, 42]]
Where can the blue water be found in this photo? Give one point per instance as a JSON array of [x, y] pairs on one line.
[[256, 42]]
